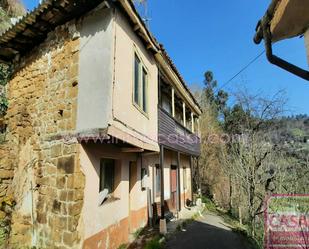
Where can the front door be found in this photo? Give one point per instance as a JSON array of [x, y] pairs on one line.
[[132, 183], [174, 187]]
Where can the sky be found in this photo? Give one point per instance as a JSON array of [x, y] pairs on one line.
[[217, 35]]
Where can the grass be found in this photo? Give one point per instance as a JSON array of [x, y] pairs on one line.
[[123, 246], [155, 243], [184, 224], [137, 233], [209, 205]]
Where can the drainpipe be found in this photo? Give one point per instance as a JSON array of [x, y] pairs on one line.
[[278, 61], [263, 32]]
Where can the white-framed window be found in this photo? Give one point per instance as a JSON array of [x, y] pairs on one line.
[[140, 91], [107, 175], [143, 179]]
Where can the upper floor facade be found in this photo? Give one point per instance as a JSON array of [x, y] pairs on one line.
[[128, 87]]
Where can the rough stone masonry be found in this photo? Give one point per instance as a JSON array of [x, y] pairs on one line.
[[41, 180]]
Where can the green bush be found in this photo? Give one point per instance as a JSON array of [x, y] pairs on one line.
[[137, 233], [123, 246], [5, 73], [3, 105], [154, 244], [209, 205]]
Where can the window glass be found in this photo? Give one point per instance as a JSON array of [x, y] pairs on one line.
[[143, 178], [144, 90], [166, 104], [140, 85], [107, 175], [137, 80]]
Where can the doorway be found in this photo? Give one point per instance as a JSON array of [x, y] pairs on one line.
[[173, 187]]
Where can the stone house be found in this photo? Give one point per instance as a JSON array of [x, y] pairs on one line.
[[284, 19], [102, 132]]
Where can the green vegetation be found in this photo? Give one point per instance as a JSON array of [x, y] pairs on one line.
[[137, 233], [5, 72], [249, 150], [4, 20], [155, 243], [123, 246], [3, 104], [209, 205], [8, 10]]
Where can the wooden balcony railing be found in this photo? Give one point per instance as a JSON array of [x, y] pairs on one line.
[[175, 136]]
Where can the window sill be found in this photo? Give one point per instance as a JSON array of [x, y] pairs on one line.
[[109, 200], [140, 110]]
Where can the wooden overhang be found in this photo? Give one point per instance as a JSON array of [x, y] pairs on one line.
[[32, 29], [283, 19], [290, 19], [286, 18]]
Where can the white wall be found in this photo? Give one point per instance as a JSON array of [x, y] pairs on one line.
[[132, 120], [105, 94], [113, 212], [95, 217], [95, 70]]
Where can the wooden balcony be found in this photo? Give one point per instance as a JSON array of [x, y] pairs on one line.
[[175, 136]]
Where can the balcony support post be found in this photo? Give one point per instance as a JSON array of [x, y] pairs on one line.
[[192, 122], [162, 180], [184, 113], [173, 102], [198, 127], [178, 183]]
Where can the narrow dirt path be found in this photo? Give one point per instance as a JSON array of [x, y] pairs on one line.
[[209, 232]]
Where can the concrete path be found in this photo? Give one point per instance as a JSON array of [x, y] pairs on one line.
[[208, 232]]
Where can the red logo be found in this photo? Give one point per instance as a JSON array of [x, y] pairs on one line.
[[287, 222]]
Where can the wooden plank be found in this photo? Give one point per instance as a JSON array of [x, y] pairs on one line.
[[132, 150], [170, 129]]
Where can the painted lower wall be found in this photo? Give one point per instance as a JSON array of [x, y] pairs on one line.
[[111, 224], [117, 234]]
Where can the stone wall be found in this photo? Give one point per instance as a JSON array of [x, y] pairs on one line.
[[47, 184]]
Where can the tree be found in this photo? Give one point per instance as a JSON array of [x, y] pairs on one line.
[[210, 177], [253, 163], [12, 8], [8, 9], [211, 97]]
